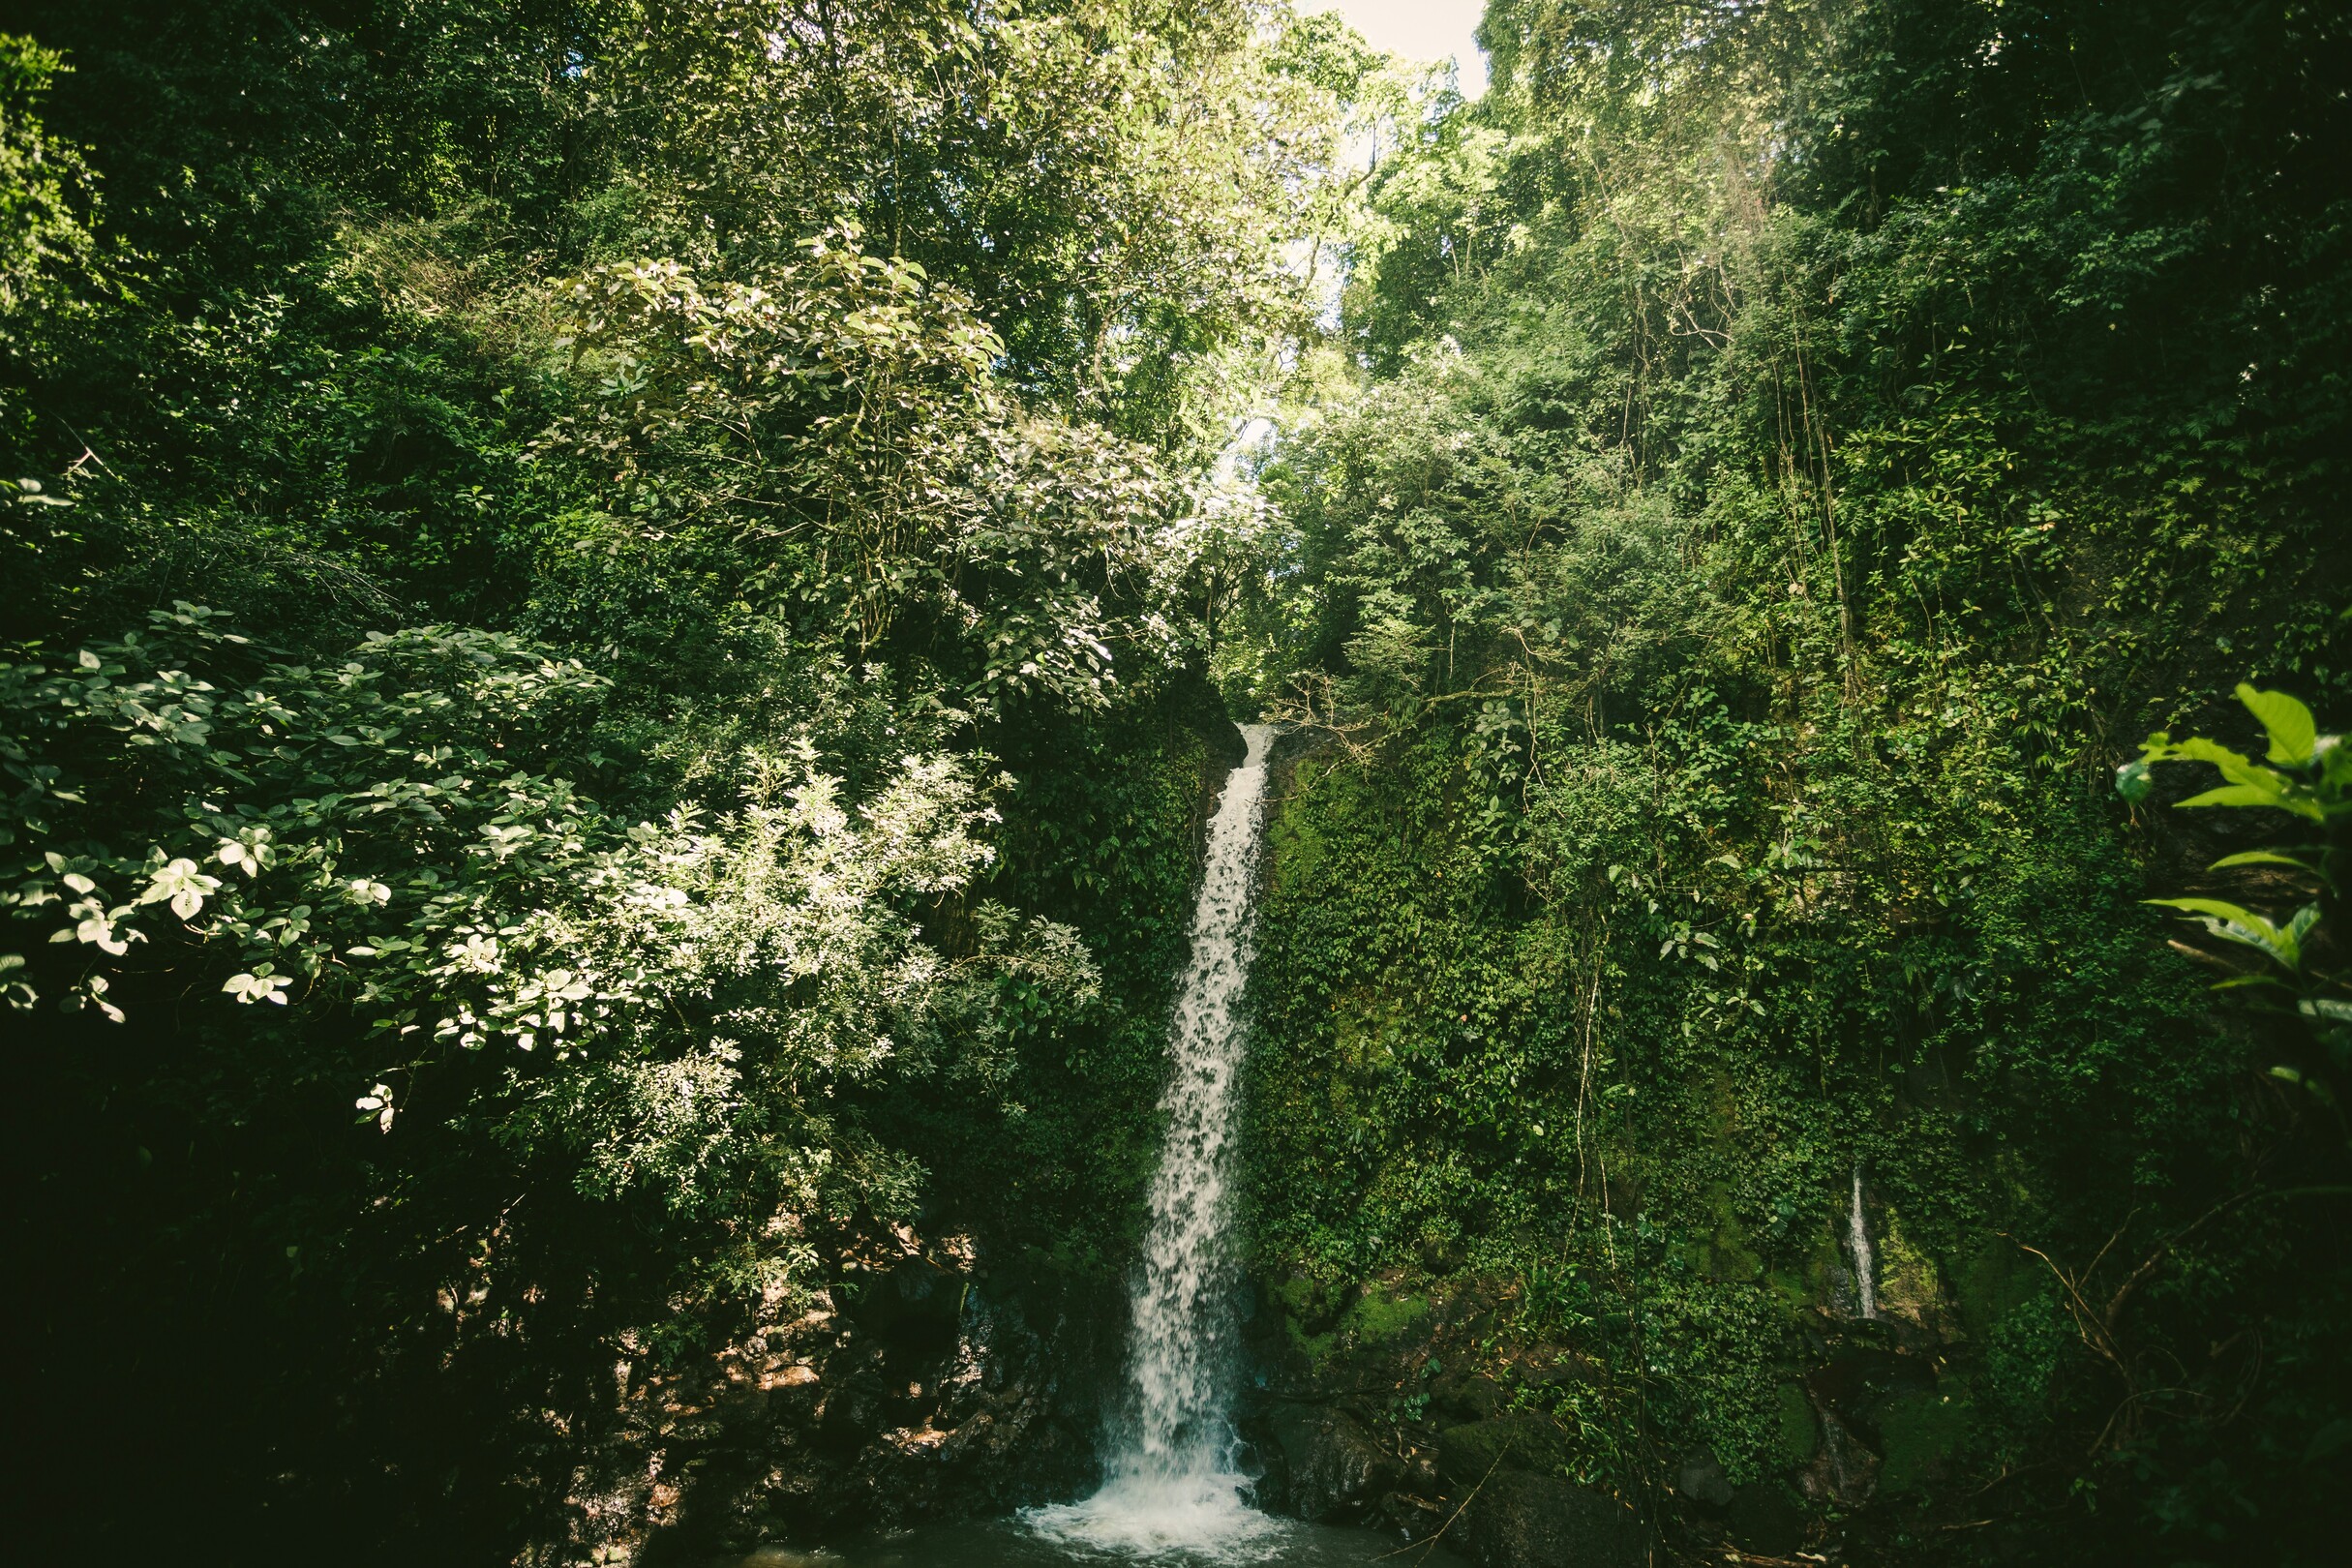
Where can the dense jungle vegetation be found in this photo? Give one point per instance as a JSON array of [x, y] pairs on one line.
[[618, 613]]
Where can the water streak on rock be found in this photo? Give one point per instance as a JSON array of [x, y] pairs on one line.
[[1857, 1230]]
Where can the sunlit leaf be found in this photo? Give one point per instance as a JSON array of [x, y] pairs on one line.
[[2259, 858], [2288, 721]]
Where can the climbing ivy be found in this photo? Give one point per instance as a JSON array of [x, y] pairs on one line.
[[1802, 445]]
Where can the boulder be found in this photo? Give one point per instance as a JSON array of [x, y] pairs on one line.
[[1700, 1479], [1522, 1521], [1526, 1442], [1920, 1431], [917, 1392], [1467, 1393], [1797, 1430], [794, 1393], [1844, 1473], [1335, 1471]]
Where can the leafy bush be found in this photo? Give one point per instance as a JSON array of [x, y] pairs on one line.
[[374, 846]]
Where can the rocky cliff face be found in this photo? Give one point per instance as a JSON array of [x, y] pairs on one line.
[[1421, 1409], [1418, 1406], [1368, 1426], [931, 1382]]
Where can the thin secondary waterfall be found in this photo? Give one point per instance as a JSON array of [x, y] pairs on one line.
[[1173, 1483], [1857, 1229]]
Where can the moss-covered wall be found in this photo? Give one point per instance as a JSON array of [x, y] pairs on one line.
[[1623, 1127]]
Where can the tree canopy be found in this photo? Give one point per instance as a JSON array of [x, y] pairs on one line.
[[619, 613]]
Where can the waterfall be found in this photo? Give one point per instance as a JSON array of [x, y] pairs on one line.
[[1864, 1266], [1173, 1484]]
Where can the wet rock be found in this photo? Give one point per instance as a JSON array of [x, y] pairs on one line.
[[1911, 1289], [1796, 1433], [1858, 1375], [1522, 1521], [1845, 1472], [854, 1408], [794, 1393], [1226, 743], [1409, 1514], [1468, 1395], [1468, 1453], [909, 1402], [1700, 1478], [1333, 1470]]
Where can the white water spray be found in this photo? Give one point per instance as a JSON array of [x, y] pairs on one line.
[[1173, 1487], [1864, 1264]]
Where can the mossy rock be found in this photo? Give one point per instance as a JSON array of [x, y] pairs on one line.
[[1468, 1453], [1919, 1433], [1333, 1469], [1797, 1429], [1468, 1394], [1541, 1522], [1791, 1290], [1308, 1313], [1825, 1281], [1315, 1347], [1763, 1517], [1909, 1288], [1302, 1298], [1379, 1317]]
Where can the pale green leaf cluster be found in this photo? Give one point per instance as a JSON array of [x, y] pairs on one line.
[[374, 846], [2308, 776], [839, 422]]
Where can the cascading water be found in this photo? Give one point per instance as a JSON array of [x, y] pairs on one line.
[[1857, 1230], [1173, 1485]]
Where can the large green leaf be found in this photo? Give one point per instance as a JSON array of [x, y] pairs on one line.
[[2242, 794], [2288, 722], [2234, 923], [2261, 858], [2249, 783]]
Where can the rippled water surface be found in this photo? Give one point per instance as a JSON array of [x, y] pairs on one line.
[[1016, 1543]]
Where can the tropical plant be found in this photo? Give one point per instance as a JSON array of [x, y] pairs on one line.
[[2307, 776]]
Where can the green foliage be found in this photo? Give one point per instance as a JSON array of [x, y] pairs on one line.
[[736, 511], [2317, 784], [838, 423], [49, 250], [45, 187], [2310, 779], [711, 492], [376, 842], [1796, 442]]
